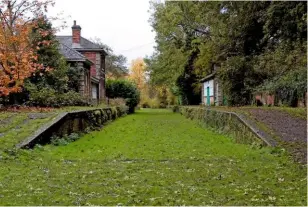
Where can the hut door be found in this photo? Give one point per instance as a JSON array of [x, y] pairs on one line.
[[208, 100]]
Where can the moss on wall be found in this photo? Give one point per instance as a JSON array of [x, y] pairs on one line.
[[72, 122], [228, 123]]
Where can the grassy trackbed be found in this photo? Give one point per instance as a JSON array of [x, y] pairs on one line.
[[153, 157]]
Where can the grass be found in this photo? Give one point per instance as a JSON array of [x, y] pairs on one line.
[[14, 127], [298, 112], [11, 120], [153, 157], [292, 147], [79, 108]]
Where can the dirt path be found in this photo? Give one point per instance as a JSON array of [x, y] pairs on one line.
[[291, 131]]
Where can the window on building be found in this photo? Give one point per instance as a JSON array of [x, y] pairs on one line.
[[94, 91], [98, 65]]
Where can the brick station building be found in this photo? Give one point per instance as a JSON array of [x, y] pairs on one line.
[[84, 55]]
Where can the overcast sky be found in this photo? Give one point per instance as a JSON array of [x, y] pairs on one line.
[[121, 24]]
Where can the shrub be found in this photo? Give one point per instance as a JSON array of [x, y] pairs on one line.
[[59, 141], [153, 103], [43, 97], [65, 140], [145, 105], [175, 108], [122, 110], [48, 97], [116, 102], [73, 137], [147, 102], [162, 105], [123, 89], [71, 98], [114, 113]]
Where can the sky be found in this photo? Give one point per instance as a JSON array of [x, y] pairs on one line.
[[121, 24]]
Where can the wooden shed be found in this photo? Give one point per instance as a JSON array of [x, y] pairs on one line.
[[211, 94]]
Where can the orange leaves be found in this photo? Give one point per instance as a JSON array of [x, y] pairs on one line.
[[137, 73], [18, 55], [138, 76], [4, 91]]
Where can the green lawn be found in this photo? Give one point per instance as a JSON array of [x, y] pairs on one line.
[[153, 157]]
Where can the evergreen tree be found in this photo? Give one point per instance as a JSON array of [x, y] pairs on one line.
[[54, 73]]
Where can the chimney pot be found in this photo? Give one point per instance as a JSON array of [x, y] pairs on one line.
[[76, 34]]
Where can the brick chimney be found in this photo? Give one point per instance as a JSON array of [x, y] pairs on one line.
[[76, 35]]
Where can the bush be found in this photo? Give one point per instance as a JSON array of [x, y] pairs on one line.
[[175, 109], [122, 110], [151, 103], [43, 97], [71, 98], [65, 140], [162, 105], [123, 89], [145, 105], [116, 102], [47, 97]]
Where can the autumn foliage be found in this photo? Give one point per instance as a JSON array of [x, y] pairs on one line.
[[138, 73], [153, 96], [18, 53]]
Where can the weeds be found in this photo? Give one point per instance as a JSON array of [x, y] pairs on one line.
[[65, 140]]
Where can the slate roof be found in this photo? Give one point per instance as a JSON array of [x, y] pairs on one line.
[[71, 54], [209, 77], [84, 43]]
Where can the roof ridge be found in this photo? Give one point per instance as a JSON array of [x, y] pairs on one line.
[[75, 51], [85, 44], [91, 42]]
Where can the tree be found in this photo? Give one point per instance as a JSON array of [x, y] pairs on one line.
[[177, 48], [18, 55], [233, 39], [137, 73], [286, 21], [123, 89], [49, 56], [115, 64], [268, 40]]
